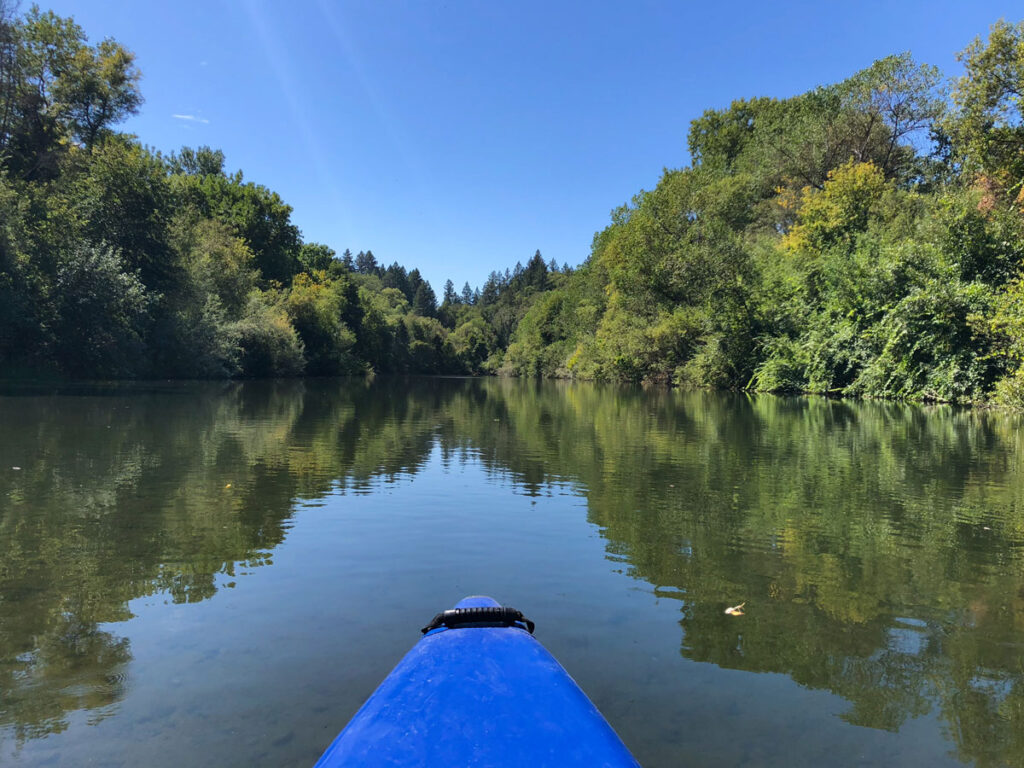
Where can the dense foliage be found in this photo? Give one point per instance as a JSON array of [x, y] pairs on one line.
[[117, 261], [864, 238]]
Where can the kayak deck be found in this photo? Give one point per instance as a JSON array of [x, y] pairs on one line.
[[478, 695]]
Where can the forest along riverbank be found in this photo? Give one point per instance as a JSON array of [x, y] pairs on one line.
[[863, 238]]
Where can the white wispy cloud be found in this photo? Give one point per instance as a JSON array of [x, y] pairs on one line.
[[191, 118]]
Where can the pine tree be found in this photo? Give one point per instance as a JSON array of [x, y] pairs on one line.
[[366, 263], [425, 301], [450, 296]]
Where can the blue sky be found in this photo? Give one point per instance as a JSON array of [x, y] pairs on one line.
[[460, 137]]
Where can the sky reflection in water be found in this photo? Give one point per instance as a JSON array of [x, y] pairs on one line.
[[220, 574]]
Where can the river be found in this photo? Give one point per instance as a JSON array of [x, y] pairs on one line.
[[220, 574]]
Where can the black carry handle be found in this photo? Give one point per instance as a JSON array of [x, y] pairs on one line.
[[490, 616]]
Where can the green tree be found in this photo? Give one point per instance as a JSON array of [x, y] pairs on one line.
[[58, 90], [473, 342], [450, 296], [100, 90], [199, 336], [366, 263], [101, 313], [396, 276], [316, 256], [424, 302], [535, 274], [988, 127], [268, 342], [256, 214], [851, 194], [120, 195], [315, 305], [202, 161]]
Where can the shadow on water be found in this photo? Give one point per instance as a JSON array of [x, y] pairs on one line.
[[879, 548]]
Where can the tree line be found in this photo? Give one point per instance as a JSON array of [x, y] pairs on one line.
[[117, 261], [864, 238]]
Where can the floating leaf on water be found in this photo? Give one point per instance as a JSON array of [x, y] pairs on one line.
[[735, 610]]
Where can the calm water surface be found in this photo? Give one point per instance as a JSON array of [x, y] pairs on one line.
[[218, 575]]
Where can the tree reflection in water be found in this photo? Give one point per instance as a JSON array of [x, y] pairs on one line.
[[879, 547]]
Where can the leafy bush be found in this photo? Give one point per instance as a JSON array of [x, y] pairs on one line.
[[101, 313], [268, 343], [315, 305]]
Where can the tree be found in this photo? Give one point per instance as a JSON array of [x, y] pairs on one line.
[[840, 211], [878, 115], [366, 263], [535, 275], [197, 162], [9, 70], [257, 215], [57, 90], [395, 276], [316, 256], [315, 306], [102, 313], [989, 125], [467, 294], [492, 288], [473, 342], [122, 197], [415, 279], [450, 296], [907, 98], [211, 318], [424, 301], [719, 137], [100, 90]]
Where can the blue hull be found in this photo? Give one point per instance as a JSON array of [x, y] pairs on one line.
[[478, 696]]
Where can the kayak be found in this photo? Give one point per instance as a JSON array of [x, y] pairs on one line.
[[478, 690]]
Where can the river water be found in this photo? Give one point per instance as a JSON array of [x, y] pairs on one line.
[[220, 574]]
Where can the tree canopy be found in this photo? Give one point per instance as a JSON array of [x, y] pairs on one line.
[[862, 238]]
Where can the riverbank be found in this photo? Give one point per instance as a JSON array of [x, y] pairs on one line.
[[862, 239]]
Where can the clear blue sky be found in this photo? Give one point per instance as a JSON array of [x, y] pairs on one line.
[[462, 136]]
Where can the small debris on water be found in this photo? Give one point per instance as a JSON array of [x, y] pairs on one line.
[[15, 468], [985, 528], [735, 610], [228, 485]]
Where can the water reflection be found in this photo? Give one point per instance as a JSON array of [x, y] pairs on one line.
[[879, 547]]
